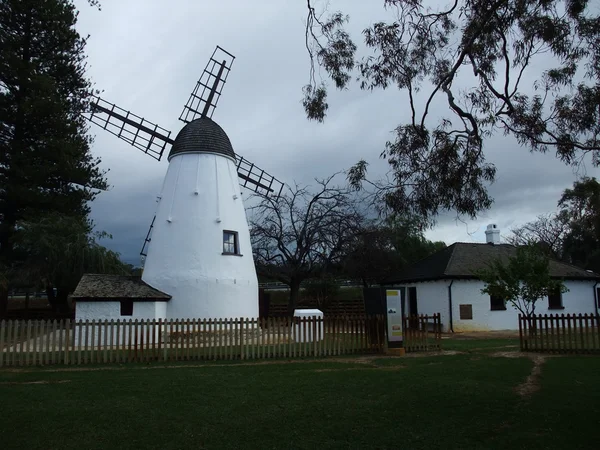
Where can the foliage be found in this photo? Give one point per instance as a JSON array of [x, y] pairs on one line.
[[522, 280], [323, 290], [529, 69], [385, 247], [573, 233], [580, 209], [303, 233], [60, 249], [45, 160]]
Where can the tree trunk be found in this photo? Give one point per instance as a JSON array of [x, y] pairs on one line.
[[59, 302], [27, 300], [50, 296], [3, 302], [294, 296]]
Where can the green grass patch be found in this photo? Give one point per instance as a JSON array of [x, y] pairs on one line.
[[478, 345], [459, 401]]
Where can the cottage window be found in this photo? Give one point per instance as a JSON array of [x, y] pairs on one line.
[[555, 300], [230, 243], [127, 307], [497, 303]]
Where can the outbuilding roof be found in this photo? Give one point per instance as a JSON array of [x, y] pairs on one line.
[[95, 287], [464, 259]]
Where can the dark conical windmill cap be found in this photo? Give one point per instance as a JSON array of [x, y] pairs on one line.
[[202, 136]]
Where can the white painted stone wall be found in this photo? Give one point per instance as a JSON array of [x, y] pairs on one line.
[[112, 310], [101, 311], [433, 298], [200, 199], [429, 294]]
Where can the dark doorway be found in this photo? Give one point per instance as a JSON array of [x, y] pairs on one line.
[[413, 310], [374, 300]]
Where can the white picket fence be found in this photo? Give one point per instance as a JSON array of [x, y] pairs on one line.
[[85, 342]]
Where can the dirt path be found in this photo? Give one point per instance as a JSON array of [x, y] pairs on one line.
[[531, 384]]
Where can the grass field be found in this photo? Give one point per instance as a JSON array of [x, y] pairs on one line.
[[473, 399]]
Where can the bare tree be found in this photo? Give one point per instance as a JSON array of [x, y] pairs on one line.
[[303, 233], [548, 232]]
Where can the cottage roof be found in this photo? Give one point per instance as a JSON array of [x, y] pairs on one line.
[[116, 287], [462, 260], [202, 135]]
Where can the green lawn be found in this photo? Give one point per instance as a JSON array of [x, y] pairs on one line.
[[463, 401], [481, 345]]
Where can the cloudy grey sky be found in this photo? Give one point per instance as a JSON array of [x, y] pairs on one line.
[[146, 55]]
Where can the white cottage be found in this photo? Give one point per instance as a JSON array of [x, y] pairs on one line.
[[445, 283]]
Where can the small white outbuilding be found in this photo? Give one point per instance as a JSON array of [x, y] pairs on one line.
[[118, 297]]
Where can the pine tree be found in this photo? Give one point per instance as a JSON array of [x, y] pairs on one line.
[[45, 160]]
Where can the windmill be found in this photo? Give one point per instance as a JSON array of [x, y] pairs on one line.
[[198, 247]]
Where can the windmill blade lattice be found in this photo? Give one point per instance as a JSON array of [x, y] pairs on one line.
[[205, 96], [257, 180], [135, 130]]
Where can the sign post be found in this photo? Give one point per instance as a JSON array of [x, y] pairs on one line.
[[395, 334]]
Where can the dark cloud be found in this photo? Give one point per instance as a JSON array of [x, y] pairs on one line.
[[148, 54]]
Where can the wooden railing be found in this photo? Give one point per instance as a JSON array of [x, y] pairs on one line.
[[560, 333], [422, 332], [337, 308], [69, 342]]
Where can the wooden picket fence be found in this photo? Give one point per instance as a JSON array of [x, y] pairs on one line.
[[98, 342], [560, 333], [422, 332]]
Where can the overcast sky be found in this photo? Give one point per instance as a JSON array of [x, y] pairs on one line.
[[146, 55]]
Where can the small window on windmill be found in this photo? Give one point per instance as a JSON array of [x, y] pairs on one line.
[[230, 243]]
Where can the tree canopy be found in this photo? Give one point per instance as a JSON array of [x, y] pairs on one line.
[[57, 250], [522, 280], [46, 165], [470, 69], [384, 247], [572, 234]]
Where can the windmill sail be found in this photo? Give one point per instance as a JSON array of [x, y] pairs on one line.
[[137, 131], [148, 239], [205, 96], [257, 180]]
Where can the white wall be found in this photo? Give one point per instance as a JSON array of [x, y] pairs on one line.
[[112, 310], [101, 311], [200, 198], [432, 297], [579, 299]]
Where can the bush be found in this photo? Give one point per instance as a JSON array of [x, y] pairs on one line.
[[322, 291]]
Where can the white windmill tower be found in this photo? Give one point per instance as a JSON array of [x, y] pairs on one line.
[[199, 249]]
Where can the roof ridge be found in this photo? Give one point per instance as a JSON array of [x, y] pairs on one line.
[[451, 257], [431, 255], [565, 263], [572, 265]]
